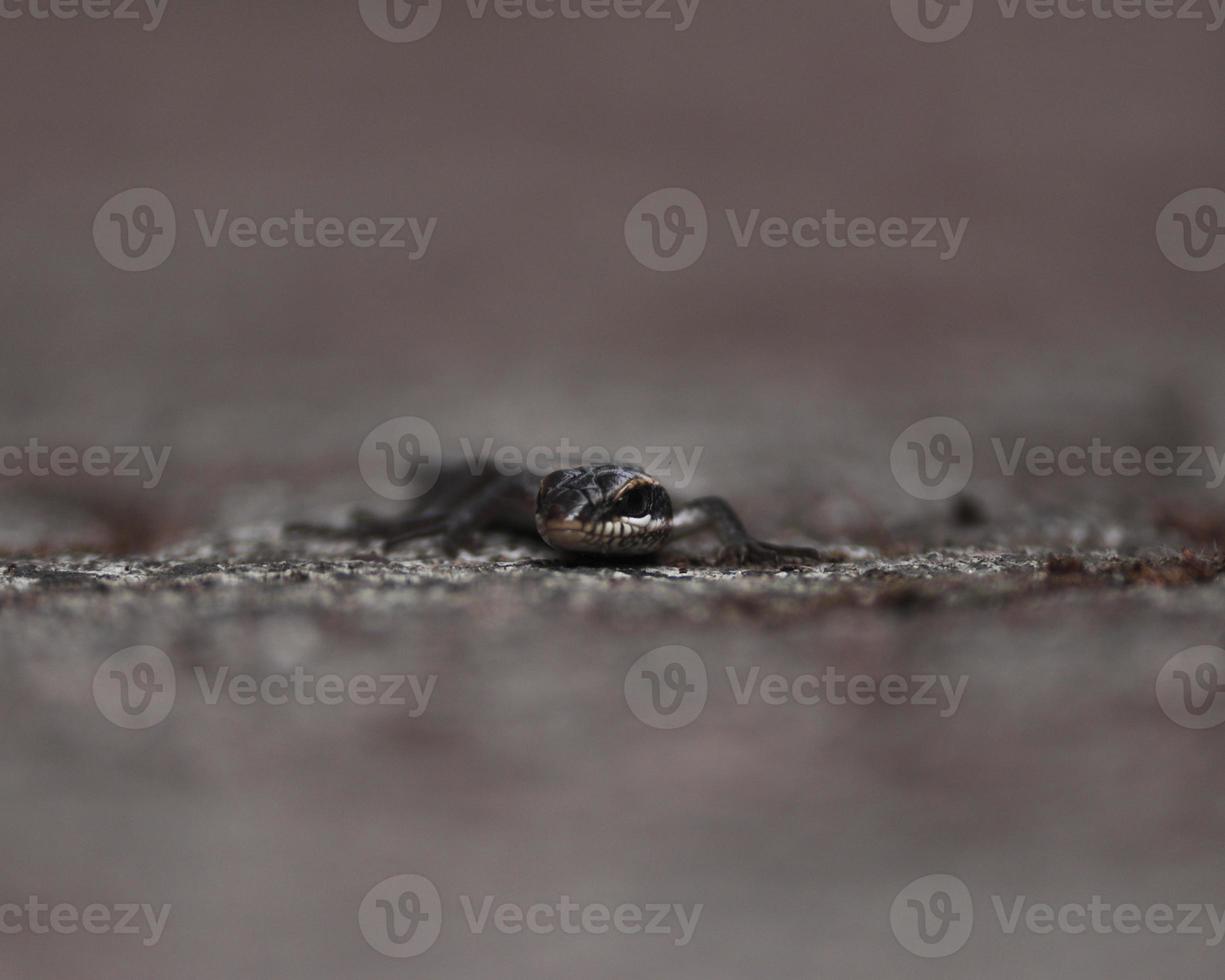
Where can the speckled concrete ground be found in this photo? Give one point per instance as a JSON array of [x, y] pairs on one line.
[[521, 761]]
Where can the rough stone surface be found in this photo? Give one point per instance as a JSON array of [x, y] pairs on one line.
[[528, 777]]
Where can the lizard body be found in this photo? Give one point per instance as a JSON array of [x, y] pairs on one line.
[[610, 510]]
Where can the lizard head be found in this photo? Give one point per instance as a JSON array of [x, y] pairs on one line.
[[603, 510]]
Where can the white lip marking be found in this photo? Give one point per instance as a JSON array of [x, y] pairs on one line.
[[624, 534]]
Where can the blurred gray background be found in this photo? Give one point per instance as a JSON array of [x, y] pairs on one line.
[[528, 320]]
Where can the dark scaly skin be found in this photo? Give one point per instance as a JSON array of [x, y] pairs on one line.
[[610, 511]]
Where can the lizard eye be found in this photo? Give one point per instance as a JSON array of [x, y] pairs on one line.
[[635, 502]]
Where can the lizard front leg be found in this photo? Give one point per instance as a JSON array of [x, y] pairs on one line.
[[716, 514]]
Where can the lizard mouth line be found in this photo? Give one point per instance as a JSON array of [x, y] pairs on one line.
[[575, 535]]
